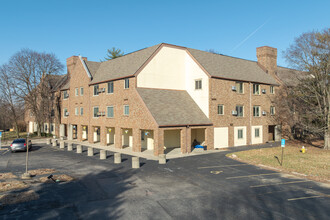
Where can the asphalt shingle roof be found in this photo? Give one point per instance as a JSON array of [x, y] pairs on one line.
[[231, 68], [123, 66], [92, 66], [172, 107]]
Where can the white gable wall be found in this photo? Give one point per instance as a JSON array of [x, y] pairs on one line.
[[173, 68]]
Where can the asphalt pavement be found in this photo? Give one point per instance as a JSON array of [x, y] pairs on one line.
[[209, 186]]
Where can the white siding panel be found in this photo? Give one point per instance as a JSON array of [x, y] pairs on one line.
[[241, 141], [256, 140]]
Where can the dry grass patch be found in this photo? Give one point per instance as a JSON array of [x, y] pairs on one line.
[[41, 171], [314, 163], [60, 178], [12, 185], [14, 198], [4, 176]]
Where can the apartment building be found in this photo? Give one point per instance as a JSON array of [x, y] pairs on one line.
[[167, 96]]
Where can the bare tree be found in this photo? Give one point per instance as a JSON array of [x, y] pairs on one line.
[[29, 70], [8, 96], [310, 53]]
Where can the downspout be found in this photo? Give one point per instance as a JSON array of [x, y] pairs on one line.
[[250, 118]]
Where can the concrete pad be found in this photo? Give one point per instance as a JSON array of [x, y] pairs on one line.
[[61, 144], [162, 159], [117, 158], [90, 152], [135, 162], [103, 154], [79, 149], [54, 143], [70, 147]]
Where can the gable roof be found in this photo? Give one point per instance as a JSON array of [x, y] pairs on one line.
[[231, 68], [120, 67], [290, 77], [92, 67], [173, 107]]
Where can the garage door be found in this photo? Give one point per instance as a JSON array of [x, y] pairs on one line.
[[220, 137], [240, 136]]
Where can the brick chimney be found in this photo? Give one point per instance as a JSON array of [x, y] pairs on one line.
[[72, 61], [267, 59]]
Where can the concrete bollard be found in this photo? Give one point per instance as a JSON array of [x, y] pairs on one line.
[[49, 141], [162, 159], [79, 149], [103, 155], [135, 162], [61, 144], [117, 157], [54, 143], [70, 147], [90, 152]]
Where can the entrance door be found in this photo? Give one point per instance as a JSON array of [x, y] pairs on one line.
[[271, 132], [220, 137]]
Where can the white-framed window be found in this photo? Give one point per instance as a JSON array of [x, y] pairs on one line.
[[81, 91], [257, 132], [81, 111], [126, 109], [240, 110], [110, 112], [256, 89], [95, 111], [240, 87], [65, 112], [76, 91], [76, 111], [256, 111], [65, 94], [126, 84], [272, 110], [96, 90], [220, 109], [198, 84], [240, 134], [110, 87], [272, 91]]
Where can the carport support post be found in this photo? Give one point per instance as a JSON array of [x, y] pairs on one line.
[[69, 146], [118, 137], [79, 149], [209, 138], [103, 155], [136, 140], [117, 158], [158, 141], [90, 152]]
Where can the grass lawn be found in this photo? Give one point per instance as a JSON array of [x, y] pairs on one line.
[[9, 136], [315, 163]]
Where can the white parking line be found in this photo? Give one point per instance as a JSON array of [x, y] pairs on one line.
[[223, 166], [301, 181], [265, 174], [308, 197]]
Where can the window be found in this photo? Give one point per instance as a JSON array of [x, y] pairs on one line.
[[81, 111], [240, 110], [126, 110], [96, 90], [256, 89], [51, 128], [81, 91], [240, 134], [76, 111], [46, 130], [126, 83], [95, 112], [256, 111], [66, 113], [239, 87], [198, 84], [272, 91], [220, 109], [52, 113], [65, 94], [272, 110], [110, 112], [77, 91], [257, 132], [110, 87]]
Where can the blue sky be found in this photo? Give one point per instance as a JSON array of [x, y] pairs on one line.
[[89, 28]]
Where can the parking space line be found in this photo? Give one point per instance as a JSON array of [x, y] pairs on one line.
[[308, 197], [300, 181], [265, 174], [235, 165]]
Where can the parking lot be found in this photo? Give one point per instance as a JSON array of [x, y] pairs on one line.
[[209, 186]]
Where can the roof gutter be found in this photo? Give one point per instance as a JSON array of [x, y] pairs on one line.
[[185, 125], [85, 67], [240, 80]]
